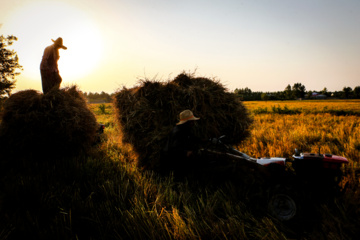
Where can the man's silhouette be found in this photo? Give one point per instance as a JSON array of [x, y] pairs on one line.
[[50, 77]]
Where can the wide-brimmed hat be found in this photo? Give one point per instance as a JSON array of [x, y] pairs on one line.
[[59, 42], [185, 116]]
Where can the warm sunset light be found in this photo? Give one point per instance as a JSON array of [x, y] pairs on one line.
[[36, 24], [263, 45], [180, 119]]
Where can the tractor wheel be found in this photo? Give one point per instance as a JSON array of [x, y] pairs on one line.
[[282, 203], [282, 206]]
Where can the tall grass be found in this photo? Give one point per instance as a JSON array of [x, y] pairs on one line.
[[334, 107], [279, 135], [104, 196]]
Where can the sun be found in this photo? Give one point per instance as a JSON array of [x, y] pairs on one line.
[[36, 23]]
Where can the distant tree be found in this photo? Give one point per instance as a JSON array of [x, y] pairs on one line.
[[347, 92], [265, 96], [243, 91], [288, 92], [96, 97], [337, 94], [298, 90], [356, 92], [280, 95], [325, 92], [309, 94], [247, 95], [9, 63]]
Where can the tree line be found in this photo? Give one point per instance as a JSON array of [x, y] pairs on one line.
[[102, 97], [297, 91]]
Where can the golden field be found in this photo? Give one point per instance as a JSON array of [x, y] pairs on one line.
[[314, 106], [328, 126], [103, 195], [308, 131], [316, 125]]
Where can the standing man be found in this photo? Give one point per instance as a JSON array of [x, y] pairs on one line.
[[50, 77]]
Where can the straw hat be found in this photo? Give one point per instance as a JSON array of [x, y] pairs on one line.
[[185, 116], [59, 42]]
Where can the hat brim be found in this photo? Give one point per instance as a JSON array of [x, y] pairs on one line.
[[61, 46], [186, 120]]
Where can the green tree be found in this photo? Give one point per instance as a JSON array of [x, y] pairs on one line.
[[246, 94], [265, 96], [9, 64], [309, 94], [288, 92], [347, 92], [299, 90], [325, 92], [357, 92]]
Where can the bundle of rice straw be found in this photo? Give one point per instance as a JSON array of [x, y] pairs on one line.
[[147, 113], [56, 124]]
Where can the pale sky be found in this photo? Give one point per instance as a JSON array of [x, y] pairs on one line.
[[260, 44]]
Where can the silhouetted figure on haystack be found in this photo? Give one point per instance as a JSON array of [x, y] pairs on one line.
[[50, 77]]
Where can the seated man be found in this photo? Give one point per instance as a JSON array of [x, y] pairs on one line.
[[181, 147]]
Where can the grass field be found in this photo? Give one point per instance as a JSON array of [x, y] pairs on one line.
[[312, 128], [104, 196]]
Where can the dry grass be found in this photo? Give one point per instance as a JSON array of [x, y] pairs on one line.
[[147, 113], [35, 125], [335, 106], [105, 196]]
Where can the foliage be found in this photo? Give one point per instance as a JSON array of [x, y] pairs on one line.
[[288, 92], [295, 92], [346, 92], [298, 90], [357, 92], [102, 108], [102, 97], [9, 64]]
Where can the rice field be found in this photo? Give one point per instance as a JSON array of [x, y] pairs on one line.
[[103, 195], [310, 105], [274, 134], [325, 126]]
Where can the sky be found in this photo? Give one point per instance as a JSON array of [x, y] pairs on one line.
[[260, 44]]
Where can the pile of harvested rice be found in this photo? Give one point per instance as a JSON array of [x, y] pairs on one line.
[[56, 124], [147, 113]]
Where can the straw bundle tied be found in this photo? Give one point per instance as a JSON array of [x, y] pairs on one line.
[[147, 113], [56, 124]]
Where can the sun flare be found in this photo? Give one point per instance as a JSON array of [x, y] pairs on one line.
[[37, 23]]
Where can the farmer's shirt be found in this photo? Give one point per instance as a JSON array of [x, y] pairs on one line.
[[181, 141], [49, 59]]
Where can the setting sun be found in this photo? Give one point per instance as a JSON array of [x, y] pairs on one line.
[[263, 45], [35, 24]]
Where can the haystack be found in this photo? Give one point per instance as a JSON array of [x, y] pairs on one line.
[[53, 125], [147, 113]]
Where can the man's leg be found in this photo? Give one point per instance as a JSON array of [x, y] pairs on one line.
[[45, 81]]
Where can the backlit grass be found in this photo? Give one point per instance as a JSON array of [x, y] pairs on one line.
[[104, 196]]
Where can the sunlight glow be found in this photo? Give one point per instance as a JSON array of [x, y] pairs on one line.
[[36, 23]]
